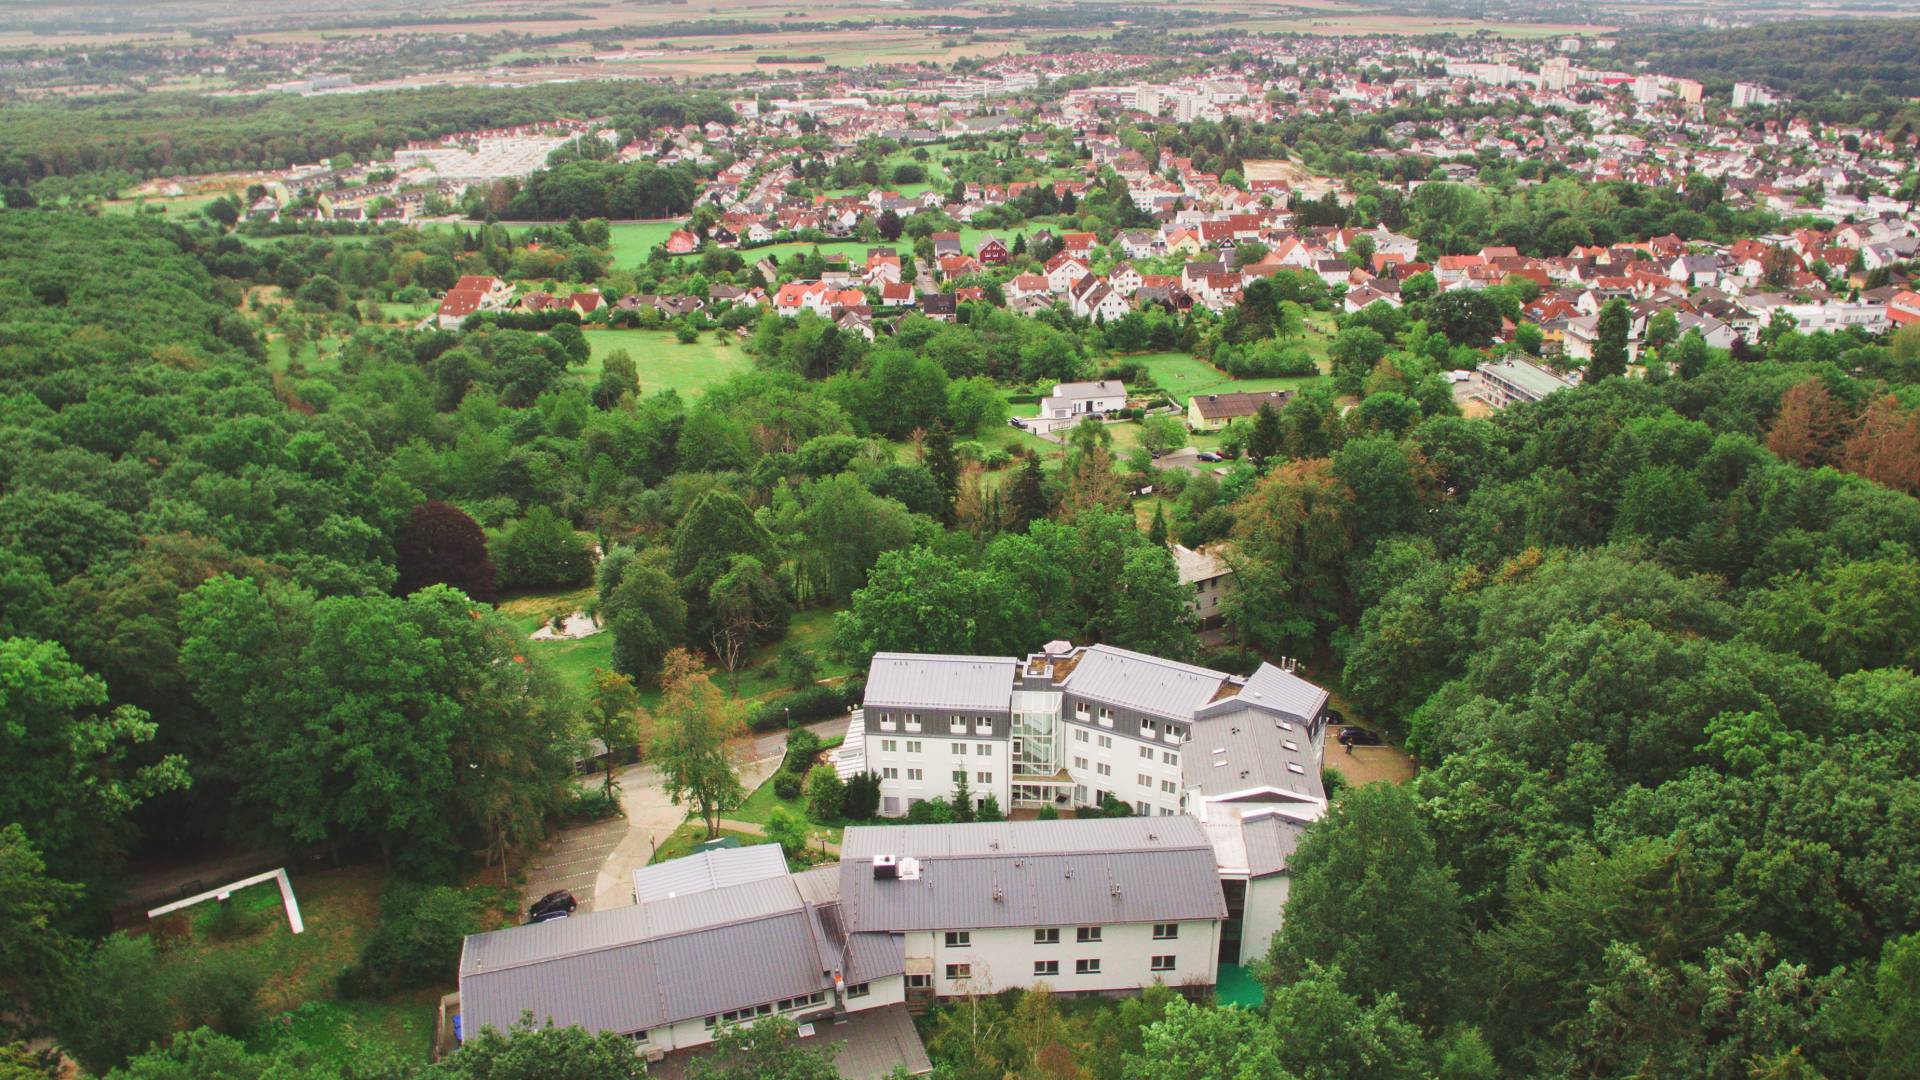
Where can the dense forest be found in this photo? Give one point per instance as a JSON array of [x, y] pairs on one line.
[[1805, 58], [165, 134]]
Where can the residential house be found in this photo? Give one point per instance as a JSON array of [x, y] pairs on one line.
[[1072, 402], [1212, 412], [1063, 270], [1210, 579]]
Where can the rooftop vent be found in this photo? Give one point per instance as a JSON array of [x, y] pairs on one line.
[[909, 869], [885, 868], [1294, 766]]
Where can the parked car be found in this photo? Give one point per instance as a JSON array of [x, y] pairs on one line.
[[1358, 736], [555, 905], [1208, 455]]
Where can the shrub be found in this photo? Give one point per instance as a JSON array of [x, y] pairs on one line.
[[816, 702], [1047, 813], [220, 991], [798, 666], [934, 811], [590, 804], [802, 747], [826, 794], [787, 785], [861, 799], [417, 942]]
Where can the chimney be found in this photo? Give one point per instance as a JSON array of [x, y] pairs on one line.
[[885, 868]]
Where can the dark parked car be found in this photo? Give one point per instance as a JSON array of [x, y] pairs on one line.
[[1208, 455], [554, 905], [1358, 736]]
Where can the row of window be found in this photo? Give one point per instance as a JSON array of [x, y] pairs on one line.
[[914, 746], [1044, 968], [754, 1012], [1050, 935]]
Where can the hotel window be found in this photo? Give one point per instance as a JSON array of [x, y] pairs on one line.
[[1169, 787], [919, 982], [1143, 780], [1147, 752], [1150, 728], [889, 773], [1106, 742], [959, 776], [1166, 931], [1079, 763], [859, 990], [1105, 769], [913, 746], [1086, 934], [914, 774], [1086, 967], [960, 748], [1046, 967], [1079, 736], [1161, 963], [959, 939], [959, 971], [890, 745], [983, 778], [984, 749], [1168, 757], [1141, 808], [1049, 935]]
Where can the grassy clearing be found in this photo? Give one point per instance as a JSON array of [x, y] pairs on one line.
[[683, 840], [632, 240], [666, 364], [340, 909], [1183, 376]]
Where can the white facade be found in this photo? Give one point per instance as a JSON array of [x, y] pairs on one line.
[[1069, 959], [698, 1032]]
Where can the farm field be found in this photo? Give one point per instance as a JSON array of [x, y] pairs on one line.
[[664, 363]]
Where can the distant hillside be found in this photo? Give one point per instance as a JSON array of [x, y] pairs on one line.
[[1805, 59]]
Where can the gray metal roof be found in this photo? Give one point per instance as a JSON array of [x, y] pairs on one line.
[[1248, 749], [934, 681], [1139, 681], [1270, 842], [647, 983], [708, 870], [1277, 690], [670, 957], [1032, 873]]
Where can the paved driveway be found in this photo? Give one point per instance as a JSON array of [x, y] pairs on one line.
[[572, 861]]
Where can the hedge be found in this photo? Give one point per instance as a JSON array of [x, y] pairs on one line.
[[816, 702]]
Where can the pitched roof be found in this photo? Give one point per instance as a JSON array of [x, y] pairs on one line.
[[1032, 873], [1231, 405], [935, 681], [708, 870]]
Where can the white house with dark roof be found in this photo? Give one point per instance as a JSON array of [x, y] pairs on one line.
[[1072, 402]]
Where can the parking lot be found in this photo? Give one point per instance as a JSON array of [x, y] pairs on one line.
[[573, 861]]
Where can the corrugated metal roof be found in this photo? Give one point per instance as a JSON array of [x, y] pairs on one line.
[[707, 870], [934, 681], [1283, 691], [649, 983], [1249, 749], [1138, 681], [1270, 841], [1033, 873]]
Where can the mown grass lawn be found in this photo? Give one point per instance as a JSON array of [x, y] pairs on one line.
[[1183, 376], [664, 363], [632, 241], [683, 840]]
